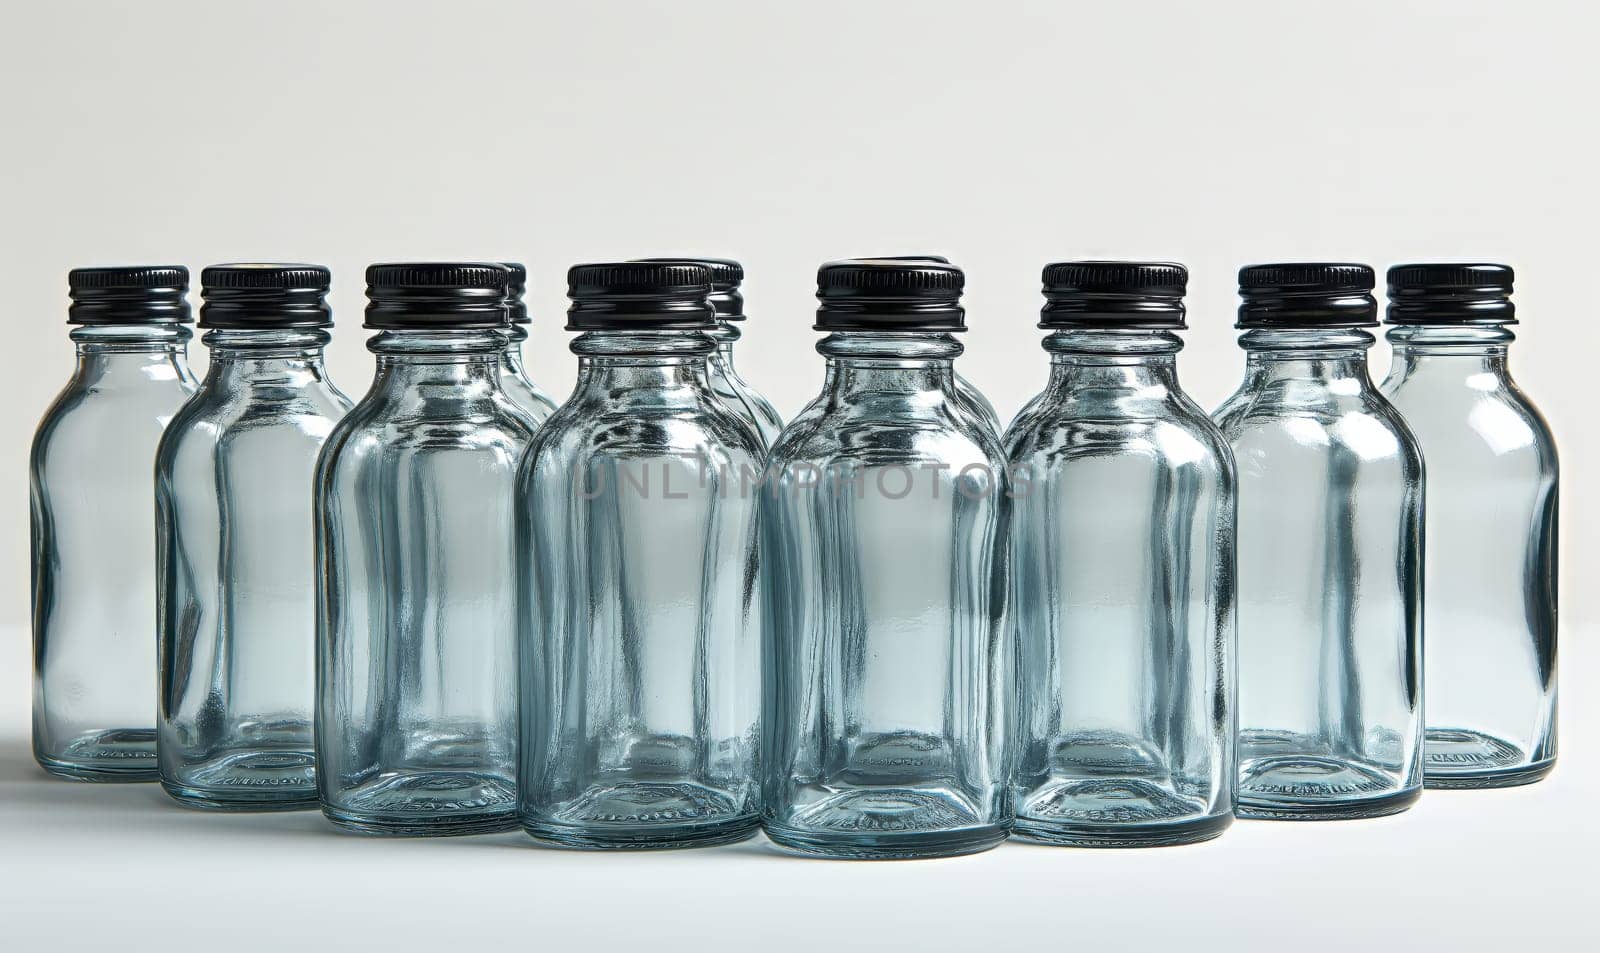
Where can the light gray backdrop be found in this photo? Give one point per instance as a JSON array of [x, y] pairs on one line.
[[1001, 134]]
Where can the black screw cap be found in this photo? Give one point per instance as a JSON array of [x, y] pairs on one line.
[[134, 294], [437, 294], [249, 295], [1124, 294], [1451, 293], [1307, 294], [890, 294], [664, 295]]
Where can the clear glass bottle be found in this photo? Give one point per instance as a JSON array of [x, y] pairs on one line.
[[1121, 568], [742, 398], [236, 600], [886, 675], [416, 673], [1329, 555], [640, 645], [93, 586], [514, 379], [1490, 659]]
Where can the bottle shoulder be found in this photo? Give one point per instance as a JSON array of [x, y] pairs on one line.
[[941, 432], [84, 420], [586, 427], [1176, 435]]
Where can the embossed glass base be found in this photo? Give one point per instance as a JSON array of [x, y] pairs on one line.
[[429, 804], [888, 823], [645, 815], [1130, 835], [891, 846], [1463, 759], [269, 780], [118, 755], [1291, 788]]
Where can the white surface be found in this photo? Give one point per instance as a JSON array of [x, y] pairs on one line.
[[121, 867], [1002, 134]]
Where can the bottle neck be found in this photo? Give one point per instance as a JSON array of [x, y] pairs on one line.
[[467, 358], [278, 358], [724, 335], [115, 354], [872, 363], [1330, 358], [1113, 360], [511, 353], [1473, 356], [615, 362]]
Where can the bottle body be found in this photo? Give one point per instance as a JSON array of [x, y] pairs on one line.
[[1121, 568], [886, 674], [93, 576], [640, 667], [236, 598], [1491, 569], [416, 695], [1330, 488], [735, 392], [977, 404], [516, 383]]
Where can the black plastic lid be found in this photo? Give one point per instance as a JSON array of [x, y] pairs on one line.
[[668, 295], [516, 287], [133, 294], [1123, 294], [265, 296], [726, 276], [437, 294], [1451, 293], [890, 294], [938, 258], [1307, 294]]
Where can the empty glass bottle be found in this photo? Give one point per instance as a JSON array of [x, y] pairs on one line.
[[1490, 659], [735, 391], [94, 646], [886, 675], [416, 673], [640, 651], [1329, 555], [236, 599], [514, 378], [1121, 569]]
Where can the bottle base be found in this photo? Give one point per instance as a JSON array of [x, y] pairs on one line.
[[115, 756], [100, 774], [245, 779], [392, 826], [204, 799], [643, 838], [425, 804], [1130, 835], [1329, 810], [921, 845], [1464, 759], [1477, 780]]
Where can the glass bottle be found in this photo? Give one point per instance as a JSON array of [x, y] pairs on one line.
[[734, 390], [1490, 659], [416, 673], [235, 600], [1329, 555], [514, 379], [640, 652], [881, 529], [1121, 568], [93, 580]]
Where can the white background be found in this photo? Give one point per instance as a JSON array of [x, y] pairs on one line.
[[1003, 135]]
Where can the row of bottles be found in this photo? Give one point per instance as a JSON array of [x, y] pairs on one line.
[[887, 629]]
